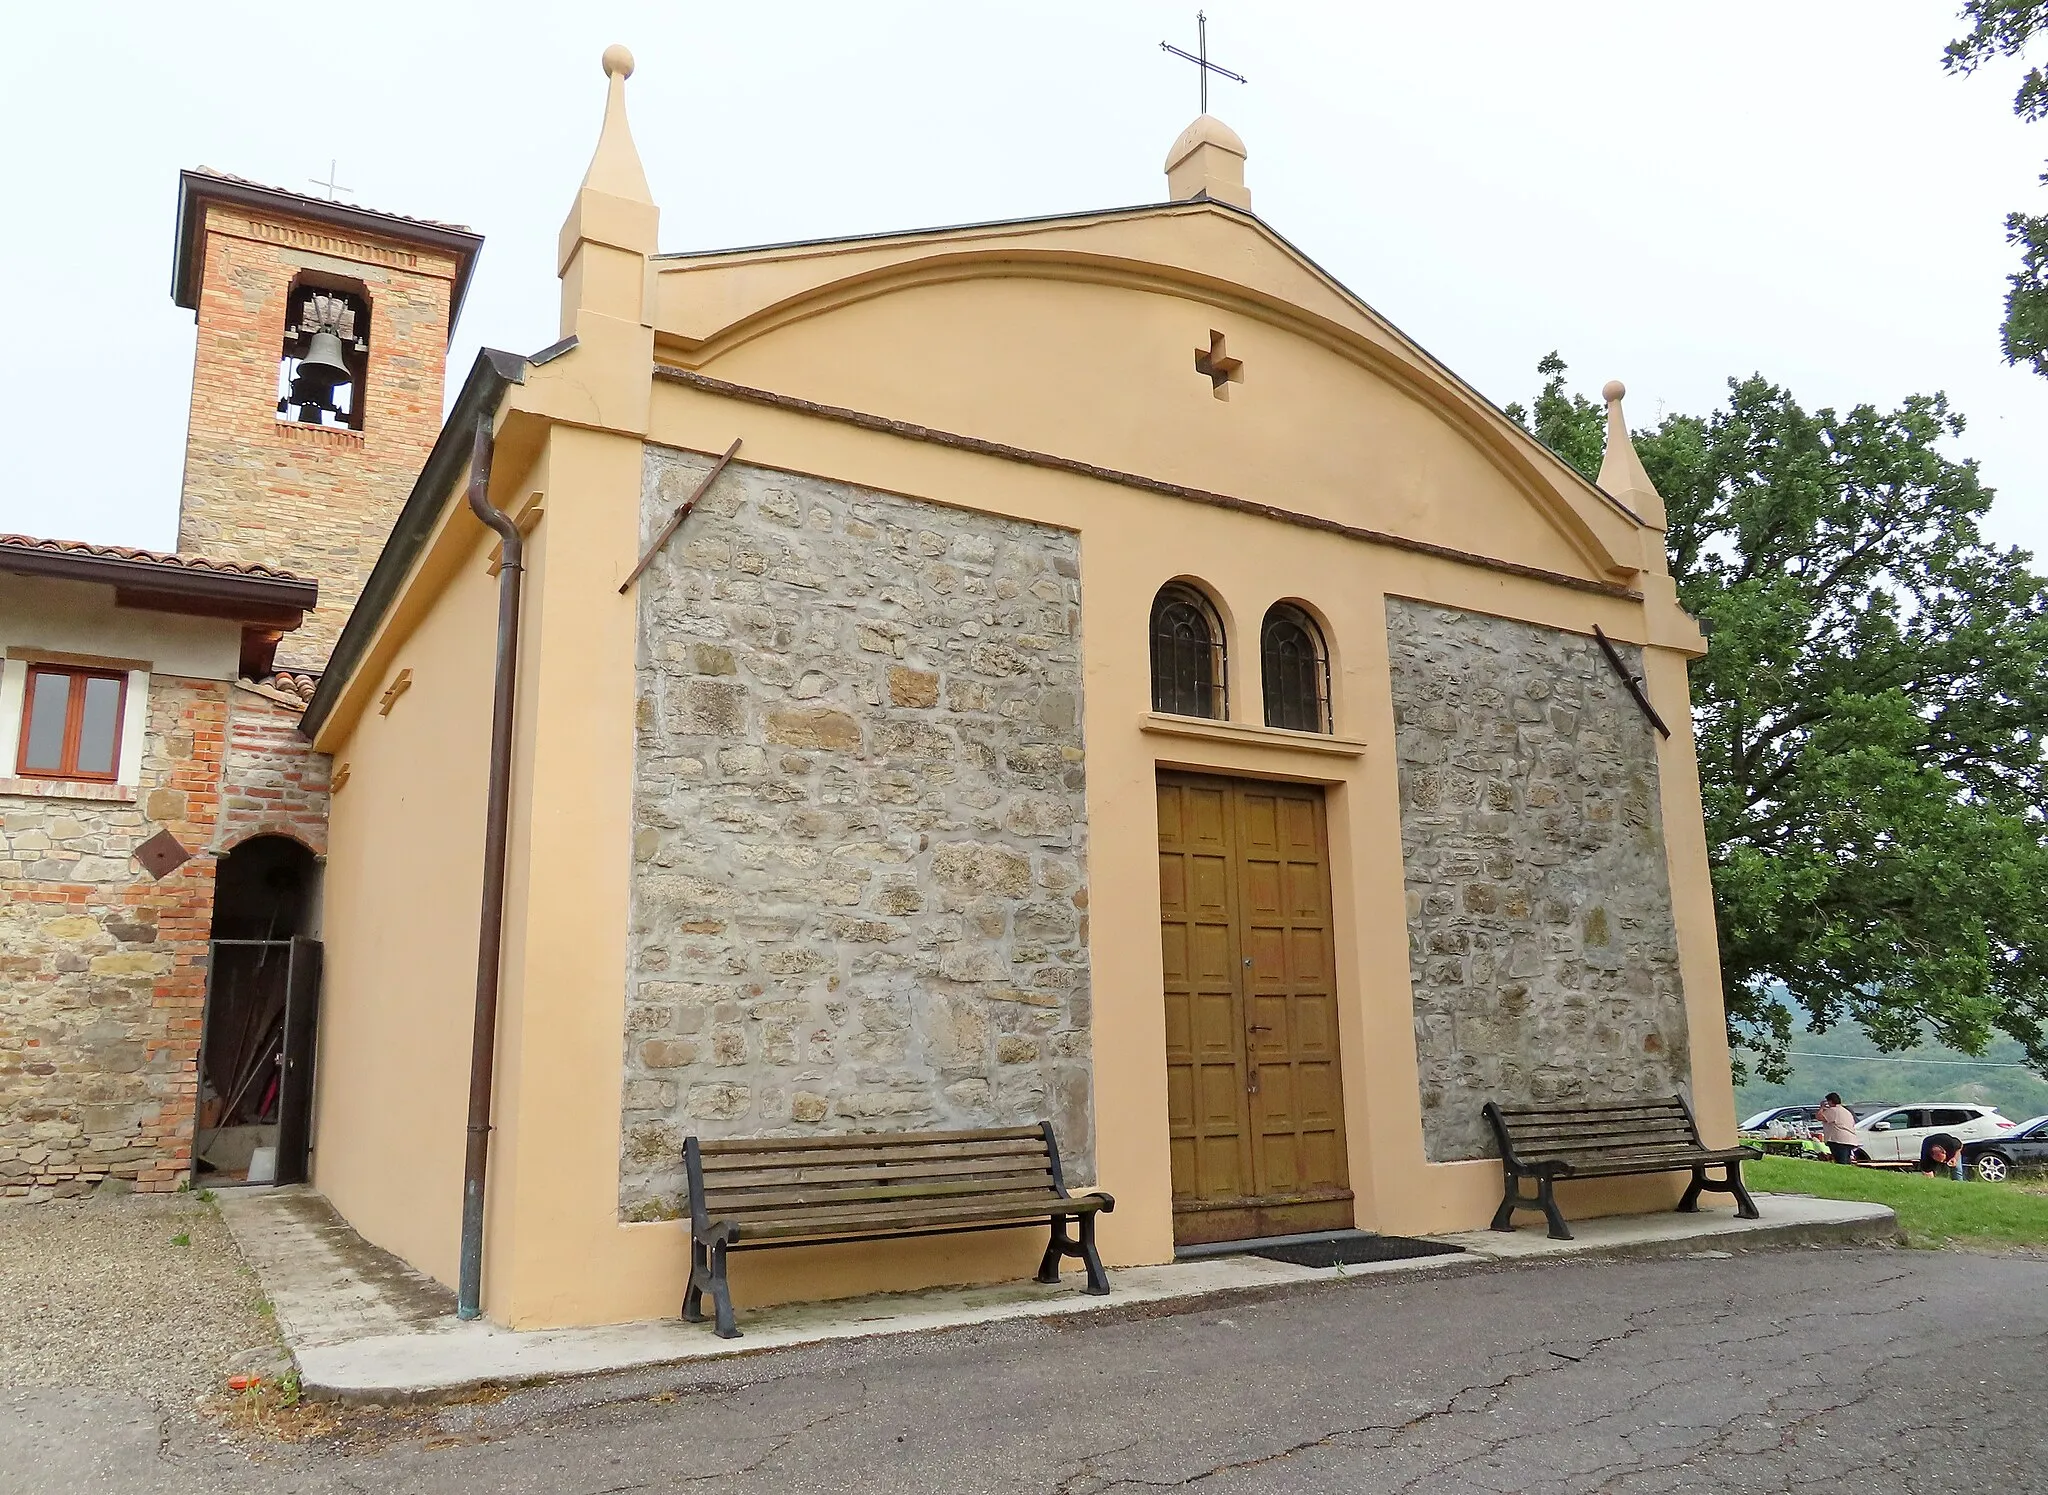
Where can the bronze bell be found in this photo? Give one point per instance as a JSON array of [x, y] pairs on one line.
[[322, 368], [318, 372]]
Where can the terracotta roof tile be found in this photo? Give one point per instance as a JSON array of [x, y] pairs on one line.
[[229, 176], [198, 563]]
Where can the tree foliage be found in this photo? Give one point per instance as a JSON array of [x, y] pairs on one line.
[[2003, 28], [1870, 715]]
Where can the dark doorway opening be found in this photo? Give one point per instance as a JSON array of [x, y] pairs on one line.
[[254, 1123]]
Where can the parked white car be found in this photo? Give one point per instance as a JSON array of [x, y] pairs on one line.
[[1893, 1134]]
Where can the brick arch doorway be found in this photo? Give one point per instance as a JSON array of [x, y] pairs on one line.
[[255, 1100]]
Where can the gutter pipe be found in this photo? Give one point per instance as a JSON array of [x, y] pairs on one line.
[[490, 935]]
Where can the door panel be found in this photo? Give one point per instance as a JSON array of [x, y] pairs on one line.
[[1255, 1097], [301, 1034]]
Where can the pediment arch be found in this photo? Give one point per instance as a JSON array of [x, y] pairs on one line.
[[728, 317]]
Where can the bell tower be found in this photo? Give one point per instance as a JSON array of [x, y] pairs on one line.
[[316, 388]]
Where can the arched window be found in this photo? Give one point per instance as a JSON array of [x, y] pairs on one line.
[[1187, 654], [1296, 667]]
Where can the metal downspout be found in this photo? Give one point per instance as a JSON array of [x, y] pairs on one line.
[[490, 935]]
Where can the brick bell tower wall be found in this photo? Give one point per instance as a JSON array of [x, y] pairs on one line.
[[1540, 938], [314, 500], [859, 898]]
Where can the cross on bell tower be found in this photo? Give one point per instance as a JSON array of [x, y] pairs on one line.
[[1200, 58]]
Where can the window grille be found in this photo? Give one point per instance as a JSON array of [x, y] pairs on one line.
[[1188, 663], [1296, 668]]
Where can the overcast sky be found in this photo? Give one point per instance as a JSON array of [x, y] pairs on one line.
[[1666, 193]]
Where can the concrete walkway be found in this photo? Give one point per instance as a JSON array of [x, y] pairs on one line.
[[366, 1328]]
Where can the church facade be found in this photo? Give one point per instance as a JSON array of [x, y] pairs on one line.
[[1105, 673]]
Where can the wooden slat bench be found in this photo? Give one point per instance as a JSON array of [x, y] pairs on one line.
[[807, 1191], [1608, 1139]]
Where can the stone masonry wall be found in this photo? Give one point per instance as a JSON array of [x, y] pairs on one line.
[[1541, 943], [102, 968], [315, 501], [858, 894]]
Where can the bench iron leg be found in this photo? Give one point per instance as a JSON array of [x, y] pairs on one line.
[[1745, 1207], [1061, 1245], [1691, 1202], [1064, 1245], [1511, 1199], [700, 1277], [1730, 1183], [721, 1294], [1098, 1280]]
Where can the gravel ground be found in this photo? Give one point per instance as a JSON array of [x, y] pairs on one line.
[[98, 1296]]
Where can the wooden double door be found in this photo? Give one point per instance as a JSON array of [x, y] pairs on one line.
[[1255, 1094]]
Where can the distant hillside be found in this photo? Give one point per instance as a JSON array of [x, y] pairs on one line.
[[1870, 1076]]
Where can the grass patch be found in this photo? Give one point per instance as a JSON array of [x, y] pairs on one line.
[[1933, 1212]]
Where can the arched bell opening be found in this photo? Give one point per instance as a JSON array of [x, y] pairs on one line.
[[254, 1121], [325, 359]]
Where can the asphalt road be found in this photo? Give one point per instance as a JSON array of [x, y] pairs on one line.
[[1810, 1370]]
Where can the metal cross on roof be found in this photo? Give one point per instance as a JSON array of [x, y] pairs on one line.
[[1200, 58], [334, 188]]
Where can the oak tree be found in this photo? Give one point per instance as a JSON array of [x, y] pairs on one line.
[[2003, 28], [1870, 715]]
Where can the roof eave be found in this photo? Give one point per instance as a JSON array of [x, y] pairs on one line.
[[262, 597], [494, 372], [197, 187]]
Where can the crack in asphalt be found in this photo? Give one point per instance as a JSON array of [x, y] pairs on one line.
[[1661, 1318], [1787, 1373]]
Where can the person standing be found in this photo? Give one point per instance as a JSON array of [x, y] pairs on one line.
[[1838, 1128]]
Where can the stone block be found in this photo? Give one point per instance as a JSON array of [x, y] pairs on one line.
[[913, 688], [814, 727]]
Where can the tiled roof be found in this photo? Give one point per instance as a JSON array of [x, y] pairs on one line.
[[194, 563], [242, 181]]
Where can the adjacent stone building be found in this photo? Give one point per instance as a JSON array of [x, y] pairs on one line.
[[114, 813], [156, 793]]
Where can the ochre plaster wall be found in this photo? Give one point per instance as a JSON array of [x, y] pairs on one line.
[[1041, 360], [558, 1253], [1048, 364], [400, 922]]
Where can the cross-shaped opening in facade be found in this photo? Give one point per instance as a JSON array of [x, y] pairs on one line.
[[1216, 362]]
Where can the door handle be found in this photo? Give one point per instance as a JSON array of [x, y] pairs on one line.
[[1258, 1028]]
